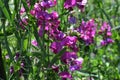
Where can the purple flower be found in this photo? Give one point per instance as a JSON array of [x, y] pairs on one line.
[[32, 12], [106, 41], [24, 22], [59, 35], [81, 4], [7, 57], [22, 64], [69, 40], [105, 29], [76, 64], [72, 3], [22, 10], [54, 15], [11, 69], [78, 61], [69, 4], [87, 31], [67, 57], [49, 22], [34, 43], [56, 47], [65, 75], [48, 3], [20, 71], [17, 55], [37, 7], [55, 68], [72, 20], [74, 67]]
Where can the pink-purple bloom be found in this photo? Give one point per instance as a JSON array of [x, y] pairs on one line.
[[69, 40], [17, 55], [55, 68], [22, 64], [56, 47], [24, 22], [72, 3], [11, 69], [76, 64], [65, 75], [72, 20], [34, 43], [105, 31], [106, 41], [7, 56], [87, 31], [67, 57], [22, 10], [48, 3]]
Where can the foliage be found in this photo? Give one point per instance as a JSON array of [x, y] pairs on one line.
[[59, 39]]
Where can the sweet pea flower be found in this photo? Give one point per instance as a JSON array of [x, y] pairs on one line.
[[65, 75], [106, 41], [87, 31], [48, 3], [56, 47], [67, 57], [34, 43], [105, 29], [72, 3], [76, 64], [11, 69]]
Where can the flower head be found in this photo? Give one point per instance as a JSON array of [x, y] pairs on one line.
[[11, 69], [56, 47], [76, 64], [65, 75], [67, 57], [105, 29], [87, 31], [34, 43], [72, 3]]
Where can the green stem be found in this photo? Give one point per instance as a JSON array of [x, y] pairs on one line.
[[6, 42], [2, 69]]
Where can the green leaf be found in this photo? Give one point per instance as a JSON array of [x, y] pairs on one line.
[[84, 74], [25, 5], [115, 28], [25, 44], [5, 11], [57, 56]]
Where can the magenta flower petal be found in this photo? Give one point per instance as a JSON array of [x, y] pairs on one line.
[[65, 75], [56, 47], [69, 4], [34, 43], [68, 56], [87, 31]]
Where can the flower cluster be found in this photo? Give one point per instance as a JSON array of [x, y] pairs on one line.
[[69, 4], [65, 75], [48, 3], [69, 41], [87, 31], [105, 31], [72, 60], [48, 24]]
